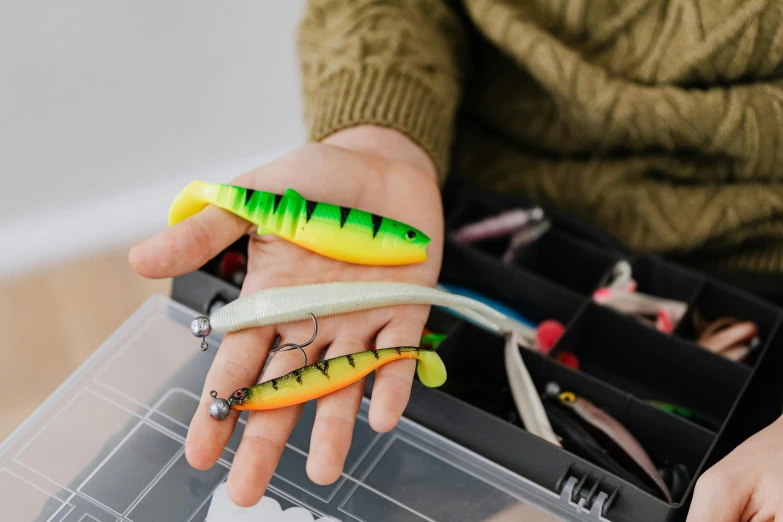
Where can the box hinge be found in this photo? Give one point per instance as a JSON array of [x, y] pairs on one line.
[[586, 496]]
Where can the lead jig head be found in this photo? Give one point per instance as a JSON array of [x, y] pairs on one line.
[[219, 409], [552, 389], [200, 327]]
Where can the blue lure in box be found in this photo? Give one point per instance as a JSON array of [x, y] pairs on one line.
[[497, 305]]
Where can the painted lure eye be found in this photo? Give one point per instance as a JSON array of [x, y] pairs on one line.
[[238, 394], [410, 234]]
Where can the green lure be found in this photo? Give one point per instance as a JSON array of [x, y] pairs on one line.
[[432, 340], [346, 234], [685, 413]]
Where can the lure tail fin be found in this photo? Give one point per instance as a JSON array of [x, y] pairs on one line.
[[192, 200], [430, 369]]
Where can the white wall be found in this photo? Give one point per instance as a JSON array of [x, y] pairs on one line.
[[107, 107]]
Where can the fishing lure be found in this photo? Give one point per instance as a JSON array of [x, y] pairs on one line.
[[578, 439], [686, 413], [429, 340], [522, 238], [287, 304], [729, 337], [619, 292], [528, 403], [233, 267], [667, 311], [342, 233], [432, 340], [497, 305], [523, 225], [325, 377], [621, 278], [604, 422], [500, 225], [294, 303]]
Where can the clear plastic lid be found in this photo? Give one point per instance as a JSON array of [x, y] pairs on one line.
[[108, 446]]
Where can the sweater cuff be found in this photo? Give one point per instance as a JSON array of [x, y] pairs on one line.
[[387, 98]]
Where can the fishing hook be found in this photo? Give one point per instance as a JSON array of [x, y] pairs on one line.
[[291, 346], [201, 327], [220, 408]]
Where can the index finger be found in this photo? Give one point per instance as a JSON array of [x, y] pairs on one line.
[[238, 364], [188, 245]]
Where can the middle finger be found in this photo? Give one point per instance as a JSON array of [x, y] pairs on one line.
[[336, 413], [237, 364]]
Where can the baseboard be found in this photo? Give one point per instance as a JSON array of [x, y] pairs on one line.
[[65, 234]]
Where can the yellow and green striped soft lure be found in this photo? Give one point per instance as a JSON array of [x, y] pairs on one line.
[[343, 233], [327, 376]]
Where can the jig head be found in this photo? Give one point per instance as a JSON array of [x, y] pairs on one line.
[[201, 328], [220, 408]]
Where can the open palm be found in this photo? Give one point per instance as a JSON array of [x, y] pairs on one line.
[[340, 173]]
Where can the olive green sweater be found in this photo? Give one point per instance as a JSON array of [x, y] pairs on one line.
[[659, 121]]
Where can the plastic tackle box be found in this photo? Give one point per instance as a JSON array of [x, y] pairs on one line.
[[107, 446], [625, 364]]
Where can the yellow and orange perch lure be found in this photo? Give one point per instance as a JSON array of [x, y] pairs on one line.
[[342, 233], [325, 377]]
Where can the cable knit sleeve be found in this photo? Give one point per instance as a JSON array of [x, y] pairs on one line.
[[396, 63]]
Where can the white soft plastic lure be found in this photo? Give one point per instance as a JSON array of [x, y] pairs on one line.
[[526, 398], [295, 303]]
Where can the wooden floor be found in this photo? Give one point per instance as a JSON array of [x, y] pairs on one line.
[[54, 319]]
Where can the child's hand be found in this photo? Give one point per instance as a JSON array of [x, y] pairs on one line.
[[368, 168]]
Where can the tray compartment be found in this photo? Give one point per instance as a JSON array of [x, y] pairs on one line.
[[655, 429], [716, 300], [558, 255], [462, 206], [468, 208], [476, 375], [569, 261], [655, 277], [650, 365], [759, 405], [442, 322], [534, 298]]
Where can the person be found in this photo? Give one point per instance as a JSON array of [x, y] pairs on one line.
[[659, 122]]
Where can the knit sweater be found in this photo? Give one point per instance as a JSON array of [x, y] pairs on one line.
[[660, 122]]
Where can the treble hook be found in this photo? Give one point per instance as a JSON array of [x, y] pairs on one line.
[[290, 346]]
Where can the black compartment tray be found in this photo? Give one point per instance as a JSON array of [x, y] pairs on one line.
[[483, 418]]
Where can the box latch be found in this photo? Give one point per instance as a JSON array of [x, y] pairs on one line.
[[586, 495]]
